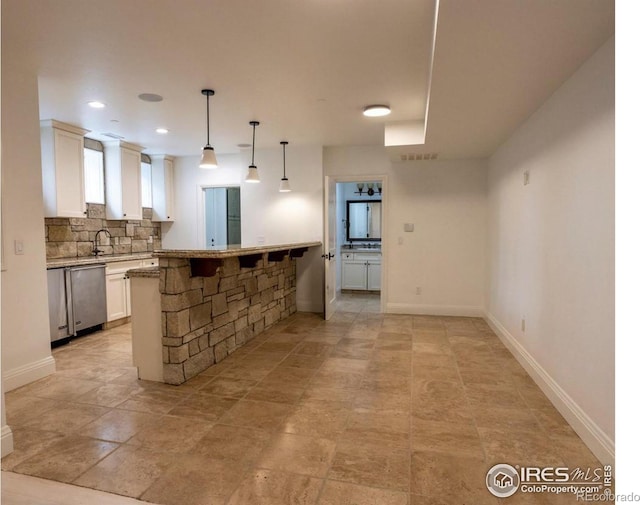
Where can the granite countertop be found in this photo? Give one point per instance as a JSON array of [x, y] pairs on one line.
[[91, 260], [152, 272], [229, 251]]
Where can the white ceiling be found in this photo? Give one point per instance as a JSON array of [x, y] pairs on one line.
[[303, 68]]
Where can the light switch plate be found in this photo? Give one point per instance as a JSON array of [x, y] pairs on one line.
[[408, 227], [18, 247]]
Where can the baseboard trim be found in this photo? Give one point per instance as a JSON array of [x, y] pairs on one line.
[[6, 440], [30, 372], [591, 434], [308, 306], [434, 310]]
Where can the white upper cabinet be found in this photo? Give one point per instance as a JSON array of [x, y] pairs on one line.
[[122, 178], [62, 147], [162, 187]]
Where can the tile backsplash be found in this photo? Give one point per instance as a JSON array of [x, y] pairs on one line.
[[73, 237]]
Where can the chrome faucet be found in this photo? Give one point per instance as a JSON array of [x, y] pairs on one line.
[[97, 251]]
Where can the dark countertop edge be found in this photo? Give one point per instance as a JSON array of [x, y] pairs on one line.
[[96, 260], [151, 272], [229, 253]]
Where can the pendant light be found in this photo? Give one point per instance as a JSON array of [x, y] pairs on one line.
[[285, 187], [208, 159], [253, 176]]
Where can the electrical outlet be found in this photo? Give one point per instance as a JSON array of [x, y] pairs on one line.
[[261, 240], [418, 290], [150, 239], [400, 241]]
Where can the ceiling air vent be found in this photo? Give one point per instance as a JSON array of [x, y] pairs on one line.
[[418, 156], [113, 136]]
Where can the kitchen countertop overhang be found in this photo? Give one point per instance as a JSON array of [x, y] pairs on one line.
[[92, 260], [230, 251]]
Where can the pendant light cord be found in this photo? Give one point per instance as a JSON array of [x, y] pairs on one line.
[[253, 144], [284, 162], [208, 120]]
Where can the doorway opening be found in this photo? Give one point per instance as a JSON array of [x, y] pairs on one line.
[[222, 216], [359, 245]]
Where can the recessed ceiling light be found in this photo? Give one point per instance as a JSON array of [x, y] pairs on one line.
[[162, 131], [150, 97], [96, 105], [376, 110]]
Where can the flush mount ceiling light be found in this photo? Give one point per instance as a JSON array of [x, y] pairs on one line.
[[285, 187], [162, 131], [252, 175], [96, 105], [376, 110], [208, 159]]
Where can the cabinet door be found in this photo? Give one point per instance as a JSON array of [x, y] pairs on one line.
[[131, 185], [62, 149], [117, 299], [354, 275], [162, 184], [373, 276], [127, 293], [69, 156]]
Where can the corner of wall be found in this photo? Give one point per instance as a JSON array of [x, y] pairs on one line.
[[590, 433], [25, 374]]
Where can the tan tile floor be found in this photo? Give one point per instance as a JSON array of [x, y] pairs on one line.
[[364, 409]]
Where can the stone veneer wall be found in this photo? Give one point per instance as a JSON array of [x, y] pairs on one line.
[[73, 237], [204, 319]]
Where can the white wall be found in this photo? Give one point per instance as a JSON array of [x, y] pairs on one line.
[[551, 247], [445, 255], [26, 352], [268, 216]]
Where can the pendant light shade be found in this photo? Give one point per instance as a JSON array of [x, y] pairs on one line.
[[252, 175], [208, 159], [285, 187]]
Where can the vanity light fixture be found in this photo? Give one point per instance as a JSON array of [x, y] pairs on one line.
[[370, 191], [376, 110], [253, 176], [208, 159], [285, 187]]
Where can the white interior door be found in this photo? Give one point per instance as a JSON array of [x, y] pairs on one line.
[[330, 300]]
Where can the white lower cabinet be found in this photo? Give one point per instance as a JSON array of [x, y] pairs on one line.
[[354, 274], [118, 305], [373, 276], [118, 286], [361, 271]]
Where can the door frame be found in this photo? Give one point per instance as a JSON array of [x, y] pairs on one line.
[[200, 224], [384, 179]]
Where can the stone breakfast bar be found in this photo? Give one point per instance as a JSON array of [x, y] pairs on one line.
[[198, 306]]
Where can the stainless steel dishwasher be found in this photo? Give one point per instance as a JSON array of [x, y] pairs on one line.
[[77, 299]]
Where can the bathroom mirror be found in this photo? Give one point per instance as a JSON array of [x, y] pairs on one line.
[[364, 220]]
